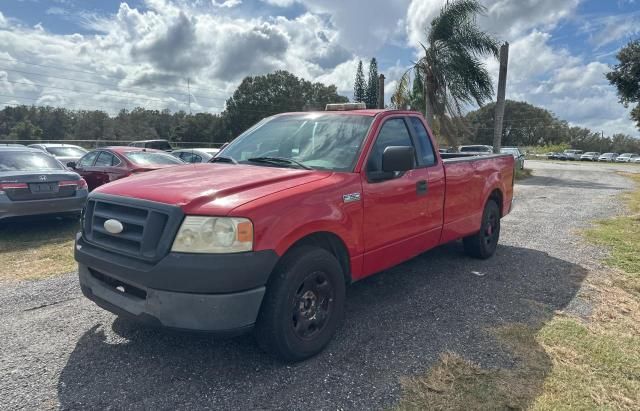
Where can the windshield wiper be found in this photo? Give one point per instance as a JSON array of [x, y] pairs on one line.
[[223, 159], [279, 161]]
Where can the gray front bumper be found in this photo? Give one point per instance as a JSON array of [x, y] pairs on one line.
[[224, 313], [73, 204]]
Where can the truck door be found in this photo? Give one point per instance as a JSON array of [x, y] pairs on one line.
[[395, 209]]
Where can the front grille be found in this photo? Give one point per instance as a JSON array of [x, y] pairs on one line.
[[148, 227]]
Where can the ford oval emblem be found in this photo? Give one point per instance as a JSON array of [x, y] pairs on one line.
[[113, 226]]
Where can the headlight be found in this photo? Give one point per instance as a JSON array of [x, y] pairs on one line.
[[214, 235]]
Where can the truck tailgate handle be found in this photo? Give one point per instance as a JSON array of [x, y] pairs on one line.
[[421, 187]]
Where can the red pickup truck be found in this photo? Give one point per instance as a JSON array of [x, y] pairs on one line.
[[268, 235]]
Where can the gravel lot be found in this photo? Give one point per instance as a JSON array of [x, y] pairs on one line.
[[61, 351]]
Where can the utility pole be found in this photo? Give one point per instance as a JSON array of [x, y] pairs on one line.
[[502, 88], [381, 91], [189, 93]]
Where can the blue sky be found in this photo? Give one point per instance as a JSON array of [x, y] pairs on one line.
[[114, 54]]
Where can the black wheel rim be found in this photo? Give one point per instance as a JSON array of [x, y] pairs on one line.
[[491, 229], [312, 305]]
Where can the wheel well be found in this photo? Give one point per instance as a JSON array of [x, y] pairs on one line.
[[333, 244], [496, 195]]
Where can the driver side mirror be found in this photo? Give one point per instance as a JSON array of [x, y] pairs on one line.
[[72, 165], [398, 159]]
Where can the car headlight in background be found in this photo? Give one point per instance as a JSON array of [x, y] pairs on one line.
[[214, 235]]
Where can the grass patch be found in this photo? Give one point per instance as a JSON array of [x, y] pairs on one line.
[[522, 174], [566, 362], [36, 249], [621, 235]]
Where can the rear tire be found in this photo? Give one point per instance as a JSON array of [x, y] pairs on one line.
[[483, 244], [303, 305]]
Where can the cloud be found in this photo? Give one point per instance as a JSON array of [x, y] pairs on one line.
[[363, 29], [145, 56], [569, 86], [605, 30], [507, 19], [226, 3], [280, 3], [172, 48]]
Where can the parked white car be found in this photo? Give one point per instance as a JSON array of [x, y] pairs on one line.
[[573, 154], [608, 157], [590, 156], [195, 155], [62, 152], [626, 157]]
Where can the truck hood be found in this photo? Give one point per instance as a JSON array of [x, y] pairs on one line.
[[210, 189]]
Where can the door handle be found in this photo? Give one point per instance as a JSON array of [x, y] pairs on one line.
[[421, 187]]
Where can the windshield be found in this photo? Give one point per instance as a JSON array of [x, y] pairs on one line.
[[315, 140], [27, 161], [66, 151], [513, 151], [148, 158]]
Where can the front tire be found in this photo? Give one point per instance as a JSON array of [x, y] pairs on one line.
[[484, 243], [303, 305]]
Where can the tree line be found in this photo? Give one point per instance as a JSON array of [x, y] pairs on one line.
[[255, 98], [526, 125]]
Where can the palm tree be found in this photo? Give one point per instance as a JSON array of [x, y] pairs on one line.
[[451, 69]]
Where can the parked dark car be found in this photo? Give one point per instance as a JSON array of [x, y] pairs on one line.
[[163, 145], [35, 183], [557, 156], [195, 155], [108, 164]]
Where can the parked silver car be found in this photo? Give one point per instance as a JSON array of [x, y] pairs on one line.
[[63, 152], [608, 157], [476, 149], [590, 156], [517, 155], [626, 157], [195, 155], [35, 183]]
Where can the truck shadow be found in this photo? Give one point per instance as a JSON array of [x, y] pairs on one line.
[[397, 324]]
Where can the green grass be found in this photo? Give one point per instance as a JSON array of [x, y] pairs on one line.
[[621, 235], [36, 249], [565, 363]]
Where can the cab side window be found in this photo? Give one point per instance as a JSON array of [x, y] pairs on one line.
[[425, 151], [87, 160], [393, 133]]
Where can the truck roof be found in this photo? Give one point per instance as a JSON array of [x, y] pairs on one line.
[[366, 112]]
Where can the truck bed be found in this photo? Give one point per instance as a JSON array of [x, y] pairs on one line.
[[468, 181]]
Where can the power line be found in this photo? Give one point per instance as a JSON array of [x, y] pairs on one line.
[[95, 92], [115, 86], [66, 69], [270, 110]]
